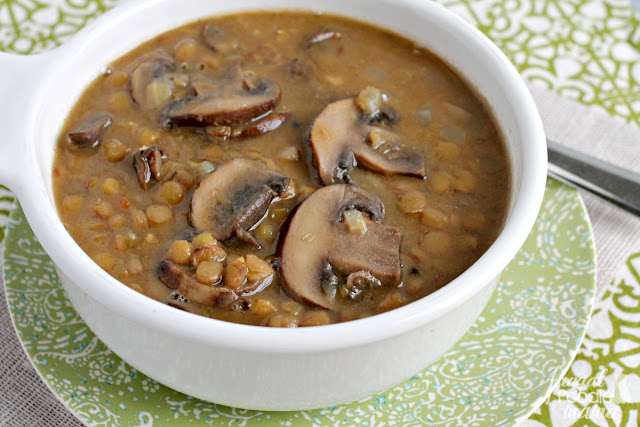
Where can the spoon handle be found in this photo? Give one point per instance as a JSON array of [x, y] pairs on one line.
[[619, 186]]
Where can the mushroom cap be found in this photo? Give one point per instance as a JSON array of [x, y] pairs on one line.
[[155, 66], [174, 277], [317, 237], [147, 163], [237, 98], [338, 142], [211, 35], [89, 133], [235, 197]]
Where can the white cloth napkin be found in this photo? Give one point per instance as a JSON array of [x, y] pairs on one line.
[[592, 131]]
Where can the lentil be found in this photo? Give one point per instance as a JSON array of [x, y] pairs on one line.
[[171, 192], [281, 320], [180, 252], [257, 268], [204, 239], [103, 209], [209, 253], [434, 218], [209, 272], [235, 275], [73, 203], [315, 318], [105, 260], [412, 202], [114, 150], [264, 307], [110, 186], [158, 214]]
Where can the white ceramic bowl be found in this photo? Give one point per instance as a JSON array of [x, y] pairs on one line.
[[247, 366]]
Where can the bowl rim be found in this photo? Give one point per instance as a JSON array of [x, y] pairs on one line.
[[74, 263]]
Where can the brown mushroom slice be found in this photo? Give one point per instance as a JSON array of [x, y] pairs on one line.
[[150, 83], [214, 38], [175, 277], [234, 197], [338, 141], [271, 123], [88, 135], [238, 98], [147, 162], [317, 242]]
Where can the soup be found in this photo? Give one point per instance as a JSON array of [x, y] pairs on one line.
[[281, 169]]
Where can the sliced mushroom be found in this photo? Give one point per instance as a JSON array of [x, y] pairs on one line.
[[234, 197], [271, 123], [150, 83], [175, 277], [89, 133], [213, 38], [338, 142], [238, 98], [147, 162], [317, 243]]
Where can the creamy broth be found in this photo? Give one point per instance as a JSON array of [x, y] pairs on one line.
[[281, 169]]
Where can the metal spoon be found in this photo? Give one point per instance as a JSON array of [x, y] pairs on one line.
[[619, 186]]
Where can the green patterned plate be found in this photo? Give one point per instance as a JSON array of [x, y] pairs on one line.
[[497, 374]]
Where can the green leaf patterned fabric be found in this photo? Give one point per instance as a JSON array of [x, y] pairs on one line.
[[581, 49], [603, 385], [587, 50], [31, 26]]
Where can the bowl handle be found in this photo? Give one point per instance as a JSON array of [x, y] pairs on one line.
[[16, 76]]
